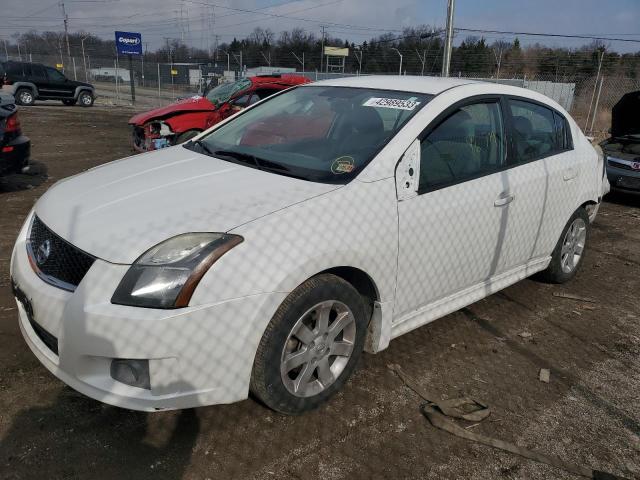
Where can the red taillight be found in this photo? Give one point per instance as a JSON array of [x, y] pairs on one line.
[[13, 124]]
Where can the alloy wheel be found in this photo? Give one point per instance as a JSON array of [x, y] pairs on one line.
[[573, 245], [318, 348]]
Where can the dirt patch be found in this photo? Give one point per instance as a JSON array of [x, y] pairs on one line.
[[588, 413]]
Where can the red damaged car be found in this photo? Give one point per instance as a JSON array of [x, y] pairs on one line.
[[183, 120]]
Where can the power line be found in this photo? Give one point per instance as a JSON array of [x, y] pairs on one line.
[[559, 35]]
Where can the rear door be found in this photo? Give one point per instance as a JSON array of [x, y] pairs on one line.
[[542, 178], [451, 234]]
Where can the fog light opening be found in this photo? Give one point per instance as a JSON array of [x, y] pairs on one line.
[[131, 372]]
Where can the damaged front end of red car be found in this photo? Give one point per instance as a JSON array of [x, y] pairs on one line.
[[152, 136]]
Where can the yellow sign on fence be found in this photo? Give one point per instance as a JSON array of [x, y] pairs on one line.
[[59, 65], [174, 72]]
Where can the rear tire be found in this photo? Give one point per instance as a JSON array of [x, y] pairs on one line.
[[569, 252], [25, 96], [85, 99], [311, 346]]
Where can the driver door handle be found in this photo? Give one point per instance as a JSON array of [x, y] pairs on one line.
[[505, 198]]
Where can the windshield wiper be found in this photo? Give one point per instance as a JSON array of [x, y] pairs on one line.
[[259, 163], [202, 145]]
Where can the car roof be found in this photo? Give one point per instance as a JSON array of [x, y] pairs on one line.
[[405, 83], [286, 80]]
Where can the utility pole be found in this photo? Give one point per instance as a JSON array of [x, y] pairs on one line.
[[448, 44], [322, 49], [84, 61], [66, 28]]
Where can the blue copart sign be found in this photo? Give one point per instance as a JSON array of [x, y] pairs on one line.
[[129, 43]]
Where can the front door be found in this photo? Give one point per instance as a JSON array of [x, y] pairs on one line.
[[451, 234], [57, 85]]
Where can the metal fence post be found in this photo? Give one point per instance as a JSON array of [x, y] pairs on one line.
[[595, 108], [159, 84]]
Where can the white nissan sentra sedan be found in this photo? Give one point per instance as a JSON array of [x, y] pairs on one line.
[[267, 253]]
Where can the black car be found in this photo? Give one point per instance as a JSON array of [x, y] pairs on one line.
[[622, 149], [14, 146], [29, 82]]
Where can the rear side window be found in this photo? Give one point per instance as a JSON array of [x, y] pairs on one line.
[[467, 144], [14, 69], [538, 131], [38, 72]]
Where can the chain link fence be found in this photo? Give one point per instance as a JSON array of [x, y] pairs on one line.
[[589, 99]]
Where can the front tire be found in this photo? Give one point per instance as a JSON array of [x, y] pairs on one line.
[[24, 96], [311, 346], [569, 252], [185, 136], [85, 99]]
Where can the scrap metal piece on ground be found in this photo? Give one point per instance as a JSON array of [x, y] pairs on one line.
[[545, 375], [571, 296], [432, 410]]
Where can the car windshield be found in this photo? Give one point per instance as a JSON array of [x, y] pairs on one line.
[[224, 92], [318, 133]]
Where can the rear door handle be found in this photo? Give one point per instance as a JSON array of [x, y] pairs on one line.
[[569, 174], [505, 198]]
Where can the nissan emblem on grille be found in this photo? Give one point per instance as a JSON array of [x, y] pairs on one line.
[[43, 252]]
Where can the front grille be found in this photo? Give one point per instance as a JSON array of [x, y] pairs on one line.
[[59, 263]]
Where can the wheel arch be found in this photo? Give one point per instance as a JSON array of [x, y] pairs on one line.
[[31, 86], [83, 88], [377, 335]]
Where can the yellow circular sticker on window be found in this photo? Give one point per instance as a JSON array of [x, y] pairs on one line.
[[344, 164]]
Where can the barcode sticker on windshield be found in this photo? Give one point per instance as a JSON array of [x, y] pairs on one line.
[[391, 103]]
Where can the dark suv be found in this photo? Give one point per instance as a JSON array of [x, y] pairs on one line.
[[29, 82]]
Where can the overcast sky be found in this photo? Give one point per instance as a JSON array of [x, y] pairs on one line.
[[357, 20]]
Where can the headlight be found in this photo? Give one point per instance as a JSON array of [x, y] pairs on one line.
[[166, 275]]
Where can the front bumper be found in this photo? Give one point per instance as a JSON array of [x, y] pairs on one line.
[[197, 356], [143, 139], [14, 155], [622, 176]]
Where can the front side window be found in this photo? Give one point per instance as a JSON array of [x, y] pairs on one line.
[[55, 75], [318, 133], [534, 130], [467, 144]]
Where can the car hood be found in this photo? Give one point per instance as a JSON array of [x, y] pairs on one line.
[[191, 104], [119, 210], [624, 115]]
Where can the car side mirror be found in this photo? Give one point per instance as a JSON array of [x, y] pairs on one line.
[[408, 172]]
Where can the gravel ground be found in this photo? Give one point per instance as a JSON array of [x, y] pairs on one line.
[[588, 414]]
